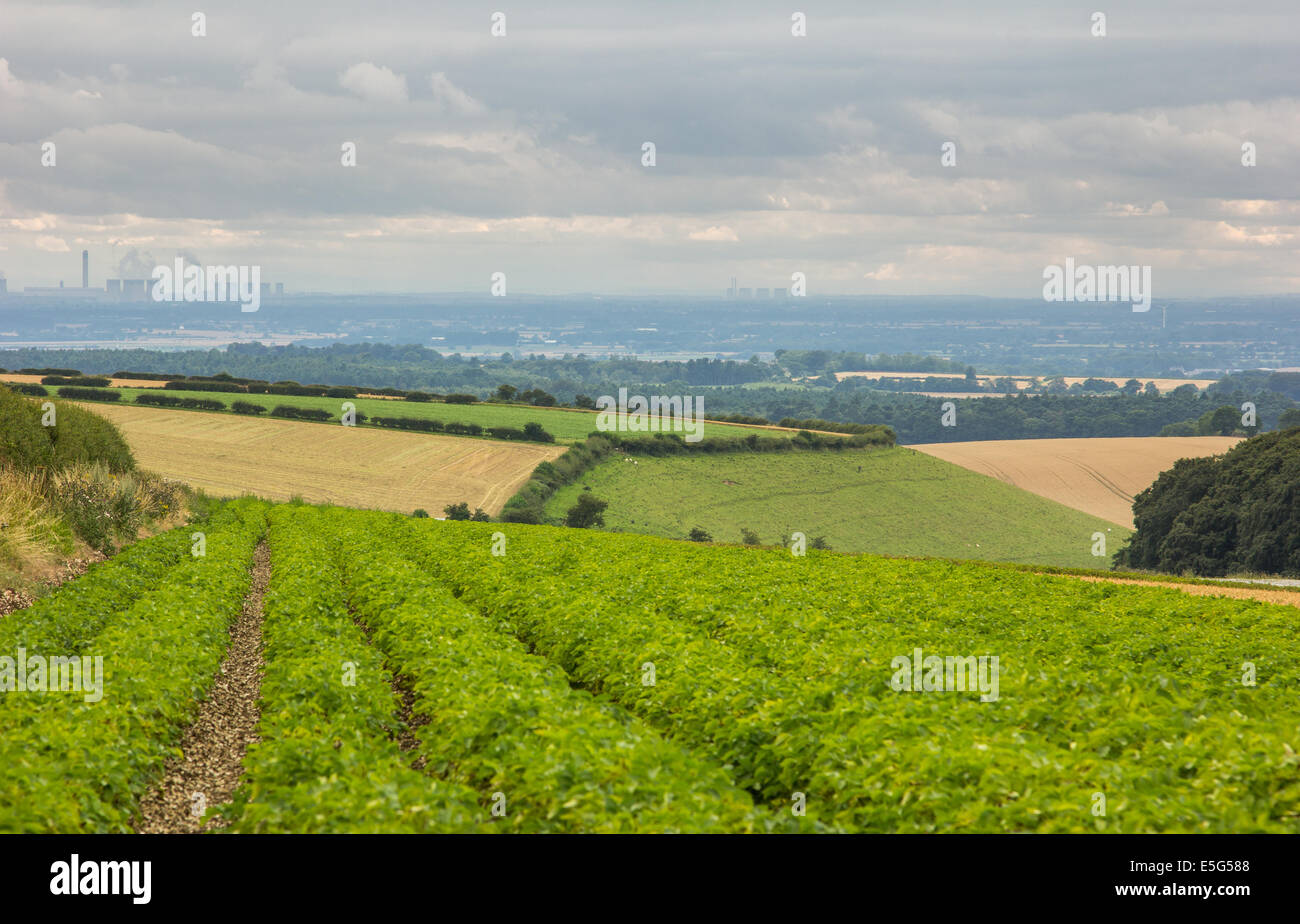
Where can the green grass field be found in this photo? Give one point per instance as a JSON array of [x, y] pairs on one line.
[[567, 425], [901, 502]]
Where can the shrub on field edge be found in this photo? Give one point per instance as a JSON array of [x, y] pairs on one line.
[[588, 512]]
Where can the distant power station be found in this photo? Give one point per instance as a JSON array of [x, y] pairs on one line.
[[118, 289], [70, 292]]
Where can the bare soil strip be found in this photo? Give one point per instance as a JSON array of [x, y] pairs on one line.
[[1289, 598], [214, 745]]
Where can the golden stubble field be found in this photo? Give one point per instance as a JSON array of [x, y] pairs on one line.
[[113, 383], [1097, 476], [229, 455]]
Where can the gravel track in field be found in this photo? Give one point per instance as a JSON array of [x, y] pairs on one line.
[[214, 745]]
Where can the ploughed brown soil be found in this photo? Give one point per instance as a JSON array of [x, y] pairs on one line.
[[214, 745]]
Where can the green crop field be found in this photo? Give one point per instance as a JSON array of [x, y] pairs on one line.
[[567, 425], [481, 677], [883, 501]]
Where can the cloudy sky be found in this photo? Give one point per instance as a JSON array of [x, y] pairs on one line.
[[522, 153]]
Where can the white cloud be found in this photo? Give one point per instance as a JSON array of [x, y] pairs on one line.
[[715, 233], [374, 83], [10, 85], [451, 97], [51, 244]]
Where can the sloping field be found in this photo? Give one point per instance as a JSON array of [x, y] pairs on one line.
[[572, 681], [353, 466], [884, 501], [1097, 476], [567, 425]]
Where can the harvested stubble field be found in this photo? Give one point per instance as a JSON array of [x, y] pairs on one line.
[[1097, 476], [352, 466], [20, 379], [566, 424]]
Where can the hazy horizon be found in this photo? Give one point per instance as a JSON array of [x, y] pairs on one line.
[[774, 153]]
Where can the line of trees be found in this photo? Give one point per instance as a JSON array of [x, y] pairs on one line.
[[1216, 516]]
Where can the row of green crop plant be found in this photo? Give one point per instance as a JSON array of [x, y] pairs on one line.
[[78, 758], [327, 759], [67, 621], [1114, 708], [502, 720]]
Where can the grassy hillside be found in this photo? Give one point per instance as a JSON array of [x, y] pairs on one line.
[[891, 501], [69, 489]]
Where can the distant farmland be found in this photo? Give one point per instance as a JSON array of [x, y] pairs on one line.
[[1096, 476], [900, 502], [1165, 385], [229, 455], [567, 425]]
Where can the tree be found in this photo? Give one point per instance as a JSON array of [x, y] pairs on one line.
[[585, 401], [506, 392], [534, 431], [420, 513], [537, 398], [1223, 515], [748, 536], [1290, 418], [586, 513], [457, 511], [699, 534], [480, 516], [1221, 421], [1181, 428]]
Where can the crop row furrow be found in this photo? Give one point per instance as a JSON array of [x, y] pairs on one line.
[[326, 759], [503, 720], [818, 712]]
